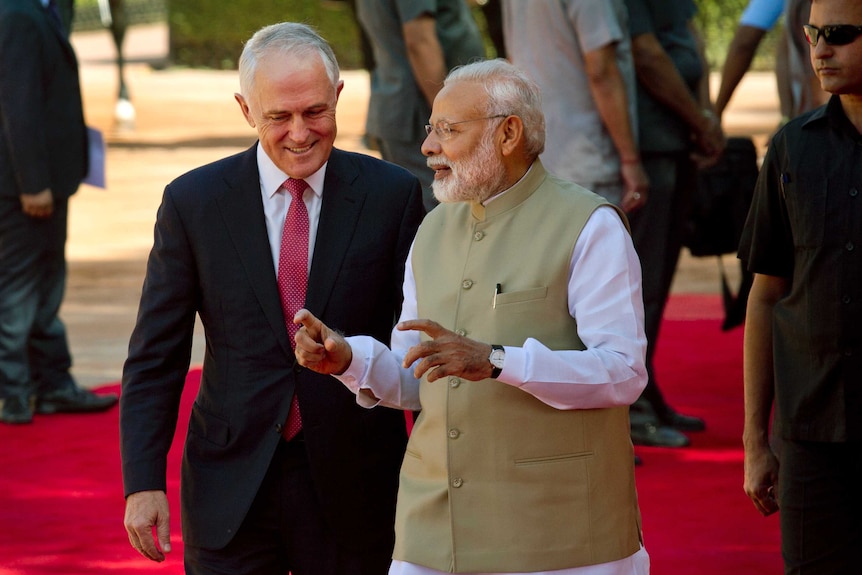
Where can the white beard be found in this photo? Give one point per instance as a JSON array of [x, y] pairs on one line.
[[472, 179]]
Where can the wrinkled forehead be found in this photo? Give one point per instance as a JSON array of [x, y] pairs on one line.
[[831, 12]]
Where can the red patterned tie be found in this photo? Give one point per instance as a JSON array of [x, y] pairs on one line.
[[293, 277]]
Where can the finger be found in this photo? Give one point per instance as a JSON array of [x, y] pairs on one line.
[[313, 326], [163, 532], [147, 545], [431, 328], [418, 351]]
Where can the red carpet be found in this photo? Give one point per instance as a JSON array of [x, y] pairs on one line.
[[61, 500]]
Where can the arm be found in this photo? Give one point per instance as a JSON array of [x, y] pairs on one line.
[[739, 56], [609, 309], [609, 93], [21, 115], [153, 379], [761, 465], [660, 78], [425, 55]]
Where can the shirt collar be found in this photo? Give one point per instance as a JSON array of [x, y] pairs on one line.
[[271, 177]]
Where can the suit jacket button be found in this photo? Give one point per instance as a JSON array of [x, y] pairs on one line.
[[279, 428], [297, 368]]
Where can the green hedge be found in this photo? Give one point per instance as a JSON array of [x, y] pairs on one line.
[[204, 33]]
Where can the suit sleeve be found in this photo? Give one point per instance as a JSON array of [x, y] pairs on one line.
[[159, 354]]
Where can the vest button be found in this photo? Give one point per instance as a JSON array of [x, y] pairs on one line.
[[279, 428], [849, 246], [457, 482], [454, 382], [467, 284], [853, 192], [478, 236], [454, 433]]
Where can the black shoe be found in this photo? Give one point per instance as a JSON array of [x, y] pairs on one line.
[[682, 422], [16, 411], [74, 400], [657, 435]]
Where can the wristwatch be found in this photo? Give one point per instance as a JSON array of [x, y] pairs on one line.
[[497, 359]]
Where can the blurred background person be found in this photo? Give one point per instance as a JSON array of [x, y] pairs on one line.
[[675, 121], [798, 87], [415, 44], [43, 159], [579, 54]]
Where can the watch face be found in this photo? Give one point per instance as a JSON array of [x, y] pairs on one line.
[[497, 358]]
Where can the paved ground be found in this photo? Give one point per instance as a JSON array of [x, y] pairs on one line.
[[189, 117]]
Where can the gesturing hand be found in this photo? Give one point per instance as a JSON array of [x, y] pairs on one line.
[[319, 348], [447, 353]]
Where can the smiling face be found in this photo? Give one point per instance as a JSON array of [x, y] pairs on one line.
[[467, 166], [292, 107], [839, 68]]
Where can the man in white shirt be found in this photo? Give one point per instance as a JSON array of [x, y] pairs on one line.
[[521, 339]]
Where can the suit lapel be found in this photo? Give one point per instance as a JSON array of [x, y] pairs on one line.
[[342, 204], [242, 211]]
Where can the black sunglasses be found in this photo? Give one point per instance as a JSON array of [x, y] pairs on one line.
[[835, 35]]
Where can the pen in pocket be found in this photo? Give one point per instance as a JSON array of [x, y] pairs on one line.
[[497, 290]]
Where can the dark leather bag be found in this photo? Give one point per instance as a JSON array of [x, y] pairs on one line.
[[717, 212]]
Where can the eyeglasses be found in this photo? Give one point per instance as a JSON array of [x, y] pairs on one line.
[[443, 129], [835, 35]]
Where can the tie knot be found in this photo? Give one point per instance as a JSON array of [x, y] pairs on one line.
[[295, 187]]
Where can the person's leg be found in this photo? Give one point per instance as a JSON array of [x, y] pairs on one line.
[[50, 359], [20, 249], [820, 506], [48, 348], [285, 531], [657, 230]]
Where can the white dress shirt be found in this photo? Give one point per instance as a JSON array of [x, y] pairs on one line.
[[604, 294], [276, 202]]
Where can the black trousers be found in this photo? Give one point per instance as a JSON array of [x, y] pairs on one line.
[[285, 532], [821, 505]]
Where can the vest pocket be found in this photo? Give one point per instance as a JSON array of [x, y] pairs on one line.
[[508, 298], [524, 462]]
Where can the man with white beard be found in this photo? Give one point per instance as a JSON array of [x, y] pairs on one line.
[[521, 340]]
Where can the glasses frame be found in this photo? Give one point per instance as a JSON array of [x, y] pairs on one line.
[[443, 129], [847, 34]]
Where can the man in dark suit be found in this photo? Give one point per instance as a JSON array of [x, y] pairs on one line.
[[255, 500], [43, 158]]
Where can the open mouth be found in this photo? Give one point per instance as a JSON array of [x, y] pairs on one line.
[[301, 150]]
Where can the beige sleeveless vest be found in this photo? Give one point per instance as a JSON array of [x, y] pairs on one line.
[[494, 479]]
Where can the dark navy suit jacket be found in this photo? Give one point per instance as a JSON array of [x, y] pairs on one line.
[[211, 256]]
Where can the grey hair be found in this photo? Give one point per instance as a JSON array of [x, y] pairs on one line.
[[284, 38], [510, 92]]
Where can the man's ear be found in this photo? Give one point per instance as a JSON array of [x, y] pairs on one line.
[[245, 109], [512, 135]]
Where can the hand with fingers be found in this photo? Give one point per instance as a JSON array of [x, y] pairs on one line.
[[145, 510], [761, 479], [446, 353], [320, 348]]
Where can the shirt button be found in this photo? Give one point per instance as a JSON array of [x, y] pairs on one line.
[[457, 482], [478, 236], [467, 284], [454, 382], [454, 433]]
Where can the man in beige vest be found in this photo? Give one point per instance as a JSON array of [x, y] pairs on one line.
[[521, 340]]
